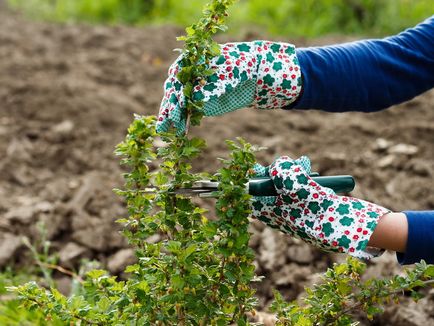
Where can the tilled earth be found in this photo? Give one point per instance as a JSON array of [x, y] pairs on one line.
[[67, 96]]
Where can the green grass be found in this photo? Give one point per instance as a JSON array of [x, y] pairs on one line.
[[308, 18], [312, 18], [11, 312], [98, 11]]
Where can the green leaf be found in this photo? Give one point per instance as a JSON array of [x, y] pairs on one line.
[[242, 240], [198, 143], [185, 75], [214, 49], [177, 281], [143, 286], [341, 269], [188, 89], [161, 179], [344, 288], [373, 310], [429, 271], [303, 321], [96, 273], [189, 250], [132, 268], [173, 246], [190, 31]]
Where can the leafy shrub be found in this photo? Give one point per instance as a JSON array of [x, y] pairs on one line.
[[201, 270], [199, 273], [343, 294]]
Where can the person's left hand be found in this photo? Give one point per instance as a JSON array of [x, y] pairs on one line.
[[260, 74]]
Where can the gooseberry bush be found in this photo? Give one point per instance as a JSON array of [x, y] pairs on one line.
[[200, 270]]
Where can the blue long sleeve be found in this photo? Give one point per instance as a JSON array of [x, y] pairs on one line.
[[420, 241], [368, 75]]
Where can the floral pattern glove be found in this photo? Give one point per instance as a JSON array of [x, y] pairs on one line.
[[259, 74], [317, 215]]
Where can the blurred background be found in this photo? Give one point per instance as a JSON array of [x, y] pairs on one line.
[[73, 73], [309, 18]]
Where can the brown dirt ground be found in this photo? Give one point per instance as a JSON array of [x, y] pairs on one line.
[[68, 94]]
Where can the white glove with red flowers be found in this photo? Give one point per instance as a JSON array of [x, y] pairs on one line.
[[261, 74], [316, 214]]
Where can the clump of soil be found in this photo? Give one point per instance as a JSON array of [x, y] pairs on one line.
[[67, 95]]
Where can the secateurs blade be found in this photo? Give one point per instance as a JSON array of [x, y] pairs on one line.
[[264, 186]]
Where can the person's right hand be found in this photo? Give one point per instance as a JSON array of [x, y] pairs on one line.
[[261, 74], [315, 214]]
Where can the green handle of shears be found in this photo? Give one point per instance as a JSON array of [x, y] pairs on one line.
[[264, 186]]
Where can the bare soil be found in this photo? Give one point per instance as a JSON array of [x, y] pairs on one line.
[[67, 96]]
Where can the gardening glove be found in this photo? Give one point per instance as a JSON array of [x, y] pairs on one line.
[[258, 74], [315, 214], [263, 171]]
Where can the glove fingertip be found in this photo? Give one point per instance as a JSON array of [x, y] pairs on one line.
[[180, 127], [176, 113], [305, 163], [162, 126], [259, 170]]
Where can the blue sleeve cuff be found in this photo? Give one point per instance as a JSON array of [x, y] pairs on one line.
[[420, 241], [368, 75]]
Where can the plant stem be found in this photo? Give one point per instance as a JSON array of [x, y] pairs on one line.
[[74, 315], [61, 270], [187, 123], [360, 303]]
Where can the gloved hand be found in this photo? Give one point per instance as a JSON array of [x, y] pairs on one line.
[[316, 214], [261, 74]]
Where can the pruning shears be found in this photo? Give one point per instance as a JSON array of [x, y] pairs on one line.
[[264, 186]]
